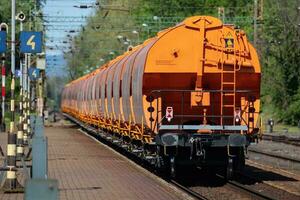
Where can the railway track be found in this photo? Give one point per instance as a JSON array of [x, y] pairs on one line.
[[250, 191], [188, 190], [282, 139], [233, 184], [294, 160], [240, 189]]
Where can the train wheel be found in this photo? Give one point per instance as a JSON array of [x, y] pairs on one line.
[[160, 164], [172, 167], [229, 169], [240, 161]]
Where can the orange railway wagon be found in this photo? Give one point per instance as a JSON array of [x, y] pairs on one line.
[[189, 96]]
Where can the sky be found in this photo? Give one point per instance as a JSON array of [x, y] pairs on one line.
[[61, 17]]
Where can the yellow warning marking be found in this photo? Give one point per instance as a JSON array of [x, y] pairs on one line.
[[229, 35], [229, 43], [229, 40]]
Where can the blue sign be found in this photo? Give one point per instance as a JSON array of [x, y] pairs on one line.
[[2, 41], [33, 73], [31, 42], [18, 73]]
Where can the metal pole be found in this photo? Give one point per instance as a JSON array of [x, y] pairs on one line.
[[255, 24], [11, 143], [20, 151], [39, 95], [221, 14], [25, 127], [3, 73], [28, 106], [262, 9]]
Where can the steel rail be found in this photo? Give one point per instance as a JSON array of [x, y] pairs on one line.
[[275, 156], [236, 185], [246, 189], [282, 139], [249, 190], [189, 191]]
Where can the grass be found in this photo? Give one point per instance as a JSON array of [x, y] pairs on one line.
[[268, 113], [283, 128]]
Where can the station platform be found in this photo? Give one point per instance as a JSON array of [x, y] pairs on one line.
[[87, 169]]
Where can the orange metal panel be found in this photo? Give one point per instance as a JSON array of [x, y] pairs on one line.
[[117, 92], [109, 89], [97, 93], [126, 84], [137, 83], [103, 92]]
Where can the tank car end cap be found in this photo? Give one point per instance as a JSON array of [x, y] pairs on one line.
[[195, 22]]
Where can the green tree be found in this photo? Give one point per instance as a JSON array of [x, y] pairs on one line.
[[281, 52]]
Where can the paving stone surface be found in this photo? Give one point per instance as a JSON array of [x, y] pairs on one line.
[[88, 170]]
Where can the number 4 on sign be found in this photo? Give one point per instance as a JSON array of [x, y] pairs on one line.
[[31, 42], [34, 73]]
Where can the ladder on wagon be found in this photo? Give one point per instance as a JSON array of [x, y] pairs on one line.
[[228, 82]]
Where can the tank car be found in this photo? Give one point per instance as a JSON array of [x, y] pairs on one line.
[[188, 97]]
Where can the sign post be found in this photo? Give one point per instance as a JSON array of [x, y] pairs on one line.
[[31, 42], [11, 177], [3, 46], [19, 73]]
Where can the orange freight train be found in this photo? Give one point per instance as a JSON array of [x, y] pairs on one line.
[[189, 96]]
